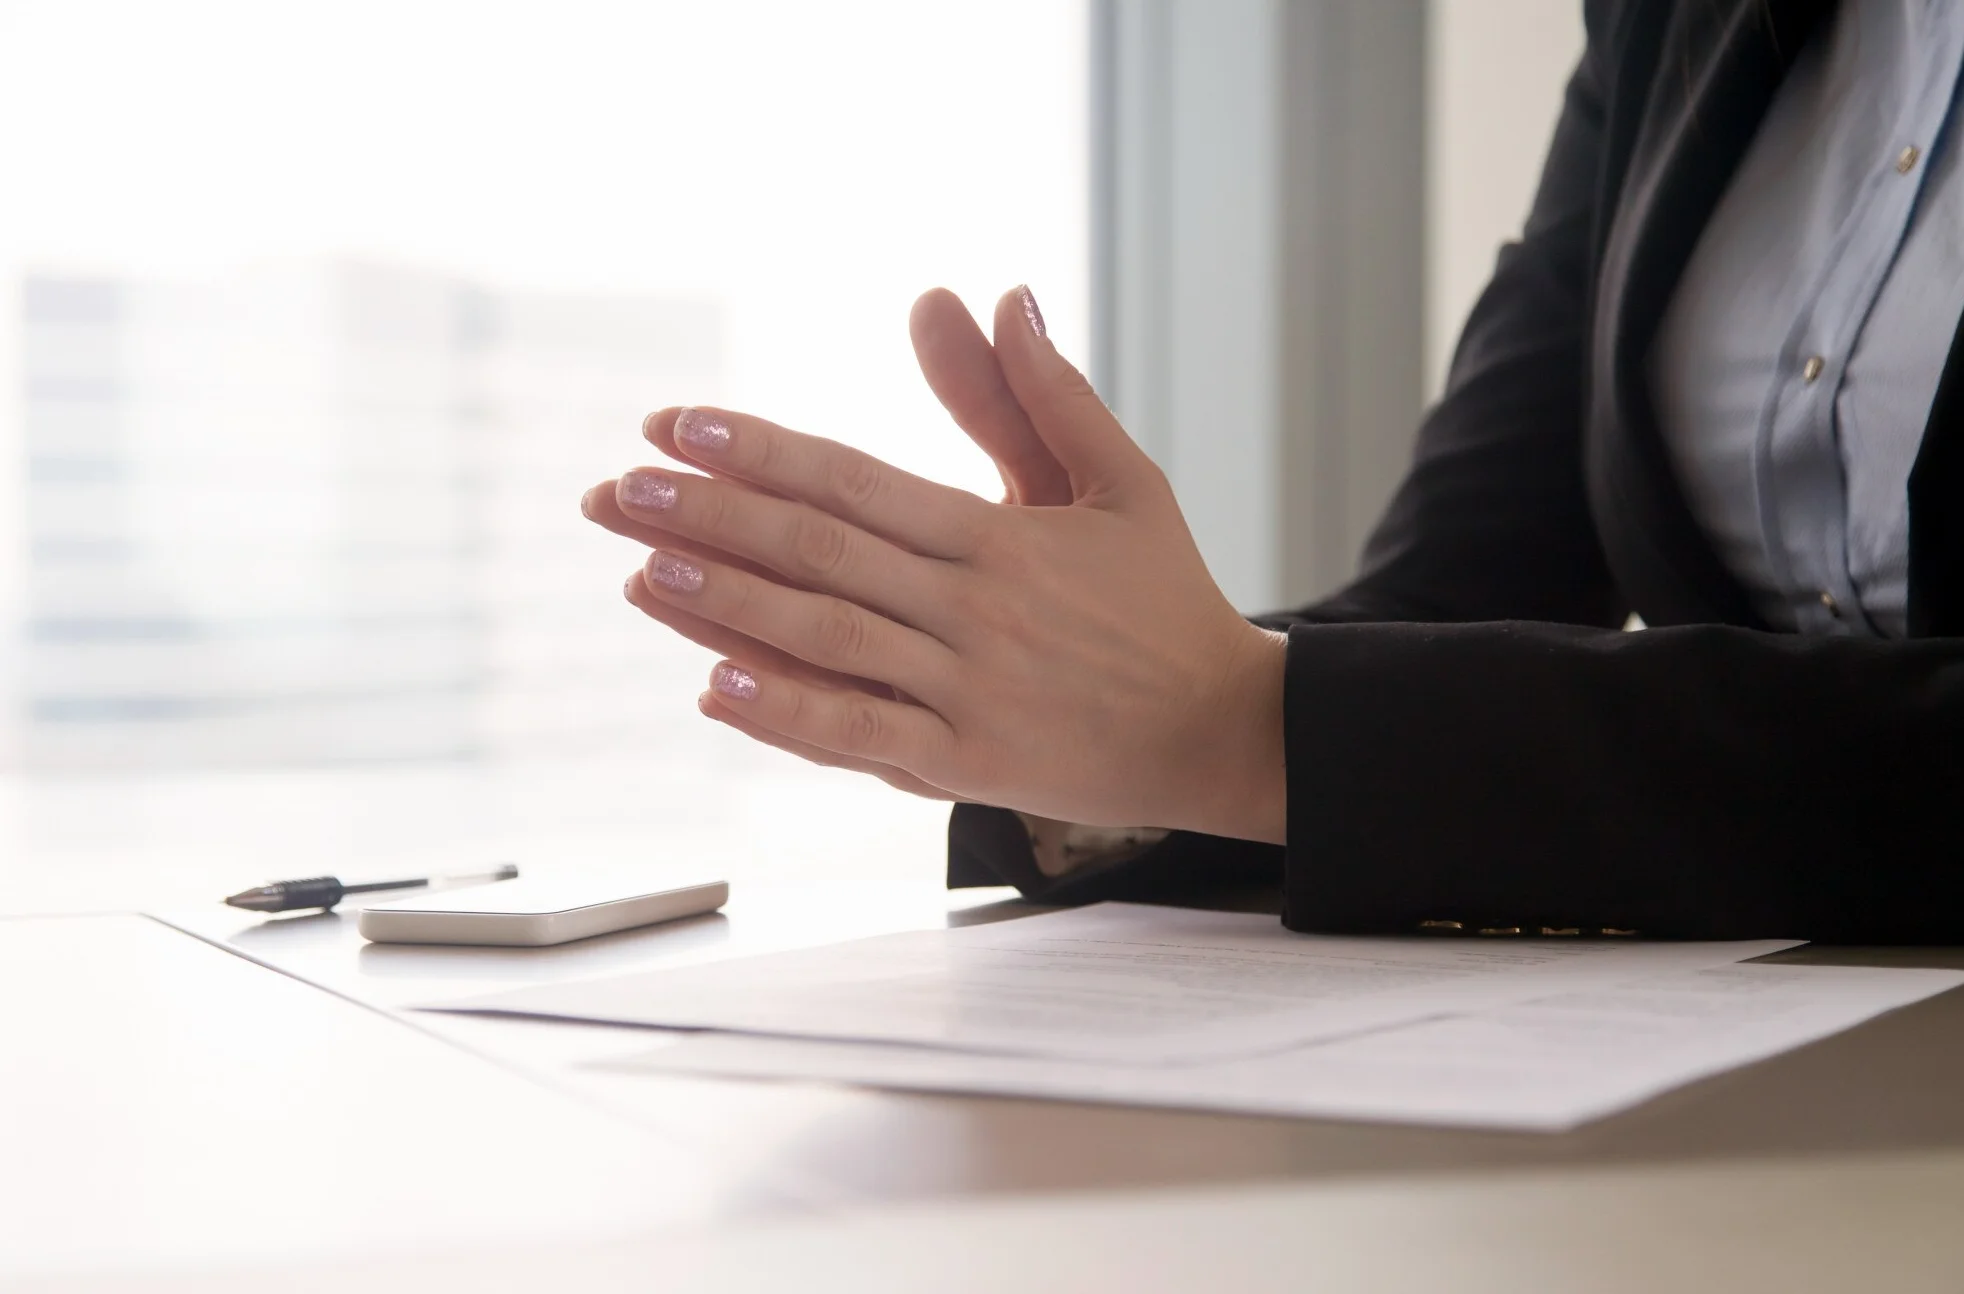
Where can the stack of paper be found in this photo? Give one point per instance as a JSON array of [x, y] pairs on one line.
[[1228, 1011]]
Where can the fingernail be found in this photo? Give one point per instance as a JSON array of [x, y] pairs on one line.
[[648, 491], [1030, 311], [703, 431], [733, 682], [672, 573]]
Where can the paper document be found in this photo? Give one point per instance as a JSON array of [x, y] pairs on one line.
[[1536, 1066], [1114, 981]]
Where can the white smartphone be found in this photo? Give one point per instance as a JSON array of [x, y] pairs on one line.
[[534, 912]]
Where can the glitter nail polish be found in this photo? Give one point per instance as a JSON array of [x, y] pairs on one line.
[[672, 573], [1030, 311], [648, 491], [702, 431], [732, 682]]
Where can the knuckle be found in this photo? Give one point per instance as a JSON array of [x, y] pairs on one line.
[[1003, 549], [1073, 390], [860, 726], [819, 546], [712, 510], [856, 481], [795, 703], [964, 530], [766, 454], [841, 633], [737, 600], [964, 601], [1003, 623], [990, 548]]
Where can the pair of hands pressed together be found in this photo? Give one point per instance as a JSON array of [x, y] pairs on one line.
[[1064, 652]]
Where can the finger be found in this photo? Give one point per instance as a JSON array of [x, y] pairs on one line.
[[961, 369], [1093, 448], [601, 507], [825, 631], [725, 641], [915, 513], [908, 737], [807, 547], [898, 780], [659, 430]]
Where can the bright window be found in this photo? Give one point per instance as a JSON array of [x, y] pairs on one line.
[[322, 316]]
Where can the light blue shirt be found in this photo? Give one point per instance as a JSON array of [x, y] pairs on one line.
[[1794, 369]]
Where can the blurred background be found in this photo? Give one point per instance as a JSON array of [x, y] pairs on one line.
[[316, 320]]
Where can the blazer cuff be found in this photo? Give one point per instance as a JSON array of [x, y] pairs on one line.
[[1420, 790], [1340, 740]]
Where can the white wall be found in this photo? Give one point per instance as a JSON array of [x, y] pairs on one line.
[[1496, 71]]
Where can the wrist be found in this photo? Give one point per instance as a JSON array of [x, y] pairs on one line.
[[1235, 776]]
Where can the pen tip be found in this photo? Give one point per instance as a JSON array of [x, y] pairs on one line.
[[253, 900]]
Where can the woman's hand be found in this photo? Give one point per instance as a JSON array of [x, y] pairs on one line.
[[960, 367], [1074, 661]]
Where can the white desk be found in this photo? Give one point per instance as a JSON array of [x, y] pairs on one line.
[[133, 1050], [166, 1102], [780, 1138]]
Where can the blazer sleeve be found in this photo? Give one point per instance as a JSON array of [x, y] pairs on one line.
[[1473, 745], [1697, 782]]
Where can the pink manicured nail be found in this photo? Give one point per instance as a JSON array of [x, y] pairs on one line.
[[648, 491], [702, 431], [733, 682], [672, 573], [1030, 311]]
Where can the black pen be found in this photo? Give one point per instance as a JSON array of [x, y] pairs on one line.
[[326, 891]]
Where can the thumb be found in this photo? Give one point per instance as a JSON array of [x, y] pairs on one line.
[[961, 369], [1081, 432]]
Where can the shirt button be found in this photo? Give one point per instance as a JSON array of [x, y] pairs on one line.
[[1907, 159], [1812, 368]]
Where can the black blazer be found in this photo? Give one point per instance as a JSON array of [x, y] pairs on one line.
[[1470, 736]]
